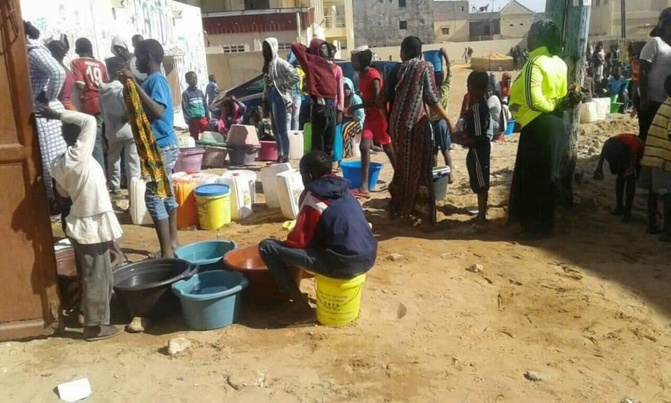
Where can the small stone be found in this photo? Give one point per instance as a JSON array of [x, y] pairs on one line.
[[395, 257], [628, 400], [475, 268], [534, 376], [178, 345]]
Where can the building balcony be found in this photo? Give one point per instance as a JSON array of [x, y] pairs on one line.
[[233, 22]]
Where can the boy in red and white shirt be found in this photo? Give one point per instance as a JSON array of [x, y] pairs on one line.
[[90, 74]]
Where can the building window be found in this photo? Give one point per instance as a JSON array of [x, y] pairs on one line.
[[233, 48], [401, 3], [284, 46], [521, 24], [596, 3], [512, 25], [403, 24], [463, 8], [446, 30]]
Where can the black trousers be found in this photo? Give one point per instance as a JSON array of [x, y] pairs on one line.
[[323, 126], [533, 194], [645, 119]]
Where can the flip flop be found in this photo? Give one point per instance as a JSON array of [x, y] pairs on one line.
[[360, 195]]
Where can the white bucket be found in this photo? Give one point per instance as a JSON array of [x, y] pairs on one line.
[[441, 178], [296, 144], [269, 182], [289, 188], [138, 209], [588, 112], [241, 197]]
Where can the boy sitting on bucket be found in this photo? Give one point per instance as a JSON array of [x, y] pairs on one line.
[[331, 236]]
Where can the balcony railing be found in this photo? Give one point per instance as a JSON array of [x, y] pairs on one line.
[[334, 21]]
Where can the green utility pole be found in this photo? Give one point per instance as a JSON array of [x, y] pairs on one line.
[[572, 17]]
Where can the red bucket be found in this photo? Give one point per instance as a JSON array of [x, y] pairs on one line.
[[268, 151]]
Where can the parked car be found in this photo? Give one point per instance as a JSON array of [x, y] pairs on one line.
[[251, 92]]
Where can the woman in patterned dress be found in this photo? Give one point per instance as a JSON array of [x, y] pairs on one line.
[[412, 93]]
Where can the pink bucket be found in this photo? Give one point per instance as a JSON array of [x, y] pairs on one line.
[[189, 160], [268, 151]]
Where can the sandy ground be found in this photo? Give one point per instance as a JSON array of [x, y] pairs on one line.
[[588, 310]]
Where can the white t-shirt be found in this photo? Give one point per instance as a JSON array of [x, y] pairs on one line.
[[658, 53]]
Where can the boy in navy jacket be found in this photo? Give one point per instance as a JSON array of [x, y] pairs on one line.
[[331, 236]]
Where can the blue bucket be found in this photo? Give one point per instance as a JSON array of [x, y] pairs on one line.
[[351, 170], [510, 128], [210, 300], [208, 255]]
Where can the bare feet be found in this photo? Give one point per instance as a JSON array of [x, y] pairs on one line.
[[138, 325], [96, 333]]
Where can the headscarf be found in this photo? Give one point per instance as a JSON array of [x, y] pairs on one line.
[[664, 18], [506, 82]]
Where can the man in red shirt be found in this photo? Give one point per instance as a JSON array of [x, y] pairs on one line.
[[89, 75], [623, 153]]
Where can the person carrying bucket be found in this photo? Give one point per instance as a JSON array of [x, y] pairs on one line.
[[331, 237]]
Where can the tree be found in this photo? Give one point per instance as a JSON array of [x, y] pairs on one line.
[[572, 17]]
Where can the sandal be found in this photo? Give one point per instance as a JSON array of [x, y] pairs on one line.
[[103, 332], [360, 195]]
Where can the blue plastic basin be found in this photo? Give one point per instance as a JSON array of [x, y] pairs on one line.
[[210, 300], [351, 170], [208, 255]]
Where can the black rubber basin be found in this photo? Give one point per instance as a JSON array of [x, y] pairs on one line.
[[145, 288]]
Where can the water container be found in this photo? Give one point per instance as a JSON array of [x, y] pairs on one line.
[[187, 210], [241, 198], [602, 108], [296, 145], [211, 137], [242, 155], [186, 142], [351, 170], [307, 138], [210, 300], [138, 209], [190, 160], [268, 151], [269, 182], [207, 255], [588, 113], [214, 206], [240, 135], [215, 157], [510, 127], [338, 144], [250, 177], [441, 178], [289, 188]]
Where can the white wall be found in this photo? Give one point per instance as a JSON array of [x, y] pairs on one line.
[[99, 22]]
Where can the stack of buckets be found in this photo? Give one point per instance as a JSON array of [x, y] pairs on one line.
[[214, 206]]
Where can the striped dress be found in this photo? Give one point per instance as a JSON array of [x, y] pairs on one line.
[[411, 190]]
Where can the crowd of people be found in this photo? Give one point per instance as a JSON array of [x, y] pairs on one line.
[[644, 160], [125, 112]]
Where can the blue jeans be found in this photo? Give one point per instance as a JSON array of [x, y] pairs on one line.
[[159, 208], [281, 121], [297, 101], [278, 258]]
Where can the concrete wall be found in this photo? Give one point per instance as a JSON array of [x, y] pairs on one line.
[[376, 23], [233, 69], [452, 15], [605, 19], [456, 50]]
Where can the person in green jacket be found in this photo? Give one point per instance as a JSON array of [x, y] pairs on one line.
[[538, 98]]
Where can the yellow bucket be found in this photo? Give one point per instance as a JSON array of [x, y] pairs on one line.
[[338, 301], [214, 206]]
